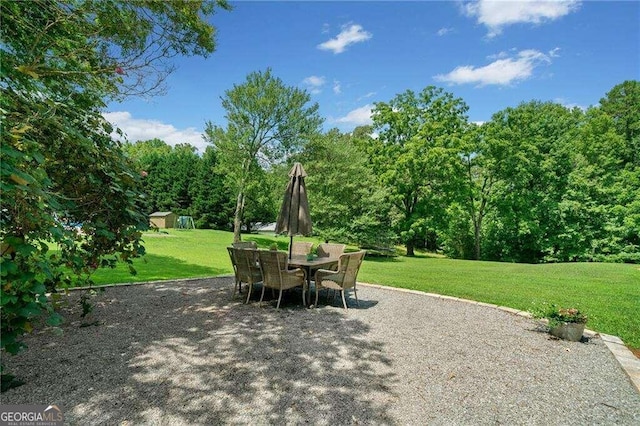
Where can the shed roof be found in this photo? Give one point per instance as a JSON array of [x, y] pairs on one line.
[[160, 214]]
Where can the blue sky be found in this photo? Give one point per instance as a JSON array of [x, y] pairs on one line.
[[349, 55]]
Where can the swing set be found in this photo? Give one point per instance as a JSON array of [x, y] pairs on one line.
[[185, 222]]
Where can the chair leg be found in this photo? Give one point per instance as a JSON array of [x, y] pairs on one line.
[[355, 292], [279, 297], [316, 302], [261, 296], [249, 293], [344, 302], [304, 295]]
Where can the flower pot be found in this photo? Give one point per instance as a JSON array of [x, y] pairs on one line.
[[571, 331]]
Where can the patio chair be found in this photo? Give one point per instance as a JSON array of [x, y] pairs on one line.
[[245, 245], [331, 250], [247, 269], [300, 248], [276, 275], [234, 263], [342, 279]]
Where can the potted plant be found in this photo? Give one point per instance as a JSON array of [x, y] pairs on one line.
[[565, 323], [311, 255]]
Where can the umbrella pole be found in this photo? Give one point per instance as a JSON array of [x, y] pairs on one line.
[[290, 244]]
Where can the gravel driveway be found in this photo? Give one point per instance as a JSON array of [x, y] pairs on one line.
[[184, 352]]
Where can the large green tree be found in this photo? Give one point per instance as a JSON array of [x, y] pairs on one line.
[[151, 159], [532, 148], [347, 204], [471, 197], [266, 122], [60, 61], [213, 204], [178, 179], [415, 156], [264, 196], [169, 175], [605, 190], [622, 104]]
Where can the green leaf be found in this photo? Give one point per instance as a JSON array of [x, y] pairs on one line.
[[30, 310], [7, 298], [55, 319], [39, 288]]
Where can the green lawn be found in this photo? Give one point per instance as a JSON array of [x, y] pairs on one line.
[[608, 293]]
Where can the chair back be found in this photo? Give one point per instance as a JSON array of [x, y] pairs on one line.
[[301, 248], [234, 263], [245, 245], [246, 266], [348, 266], [273, 263], [330, 250]]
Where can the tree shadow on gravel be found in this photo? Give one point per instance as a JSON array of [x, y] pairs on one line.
[[185, 353]]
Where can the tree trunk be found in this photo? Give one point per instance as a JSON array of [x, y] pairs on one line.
[[476, 229], [237, 219], [410, 251]]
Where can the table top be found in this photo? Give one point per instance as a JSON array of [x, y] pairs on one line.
[[301, 260]]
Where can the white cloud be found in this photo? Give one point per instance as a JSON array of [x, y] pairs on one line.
[[138, 129], [351, 34], [337, 89], [314, 80], [444, 31], [368, 95], [500, 55], [314, 84], [496, 15], [357, 117], [503, 71]]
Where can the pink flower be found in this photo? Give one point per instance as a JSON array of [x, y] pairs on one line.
[[119, 71]]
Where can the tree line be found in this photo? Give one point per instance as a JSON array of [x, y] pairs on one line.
[[539, 182]]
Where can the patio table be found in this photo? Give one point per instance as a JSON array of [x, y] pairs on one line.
[[301, 261]]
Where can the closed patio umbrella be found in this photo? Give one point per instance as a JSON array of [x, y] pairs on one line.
[[294, 217]]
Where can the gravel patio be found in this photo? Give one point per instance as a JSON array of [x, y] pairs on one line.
[[184, 352]]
